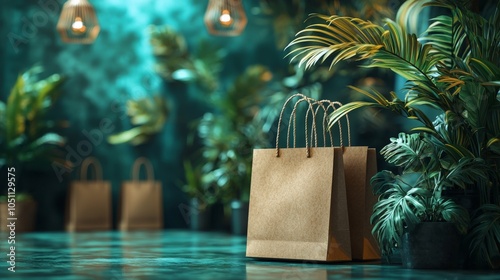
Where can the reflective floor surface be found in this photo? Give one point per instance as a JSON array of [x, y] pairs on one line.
[[178, 255]]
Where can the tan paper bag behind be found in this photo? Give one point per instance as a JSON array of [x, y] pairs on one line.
[[89, 202], [360, 165], [141, 202], [298, 205]]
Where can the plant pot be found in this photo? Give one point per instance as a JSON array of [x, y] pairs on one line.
[[239, 217], [431, 245], [199, 216], [25, 214]]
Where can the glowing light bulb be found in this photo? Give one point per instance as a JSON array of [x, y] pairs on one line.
[[225, 18], [78, 26]]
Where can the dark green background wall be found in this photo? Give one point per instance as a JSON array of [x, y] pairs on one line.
[[118, 67]]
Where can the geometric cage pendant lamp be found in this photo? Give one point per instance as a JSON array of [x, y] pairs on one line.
[[78, 22], [225, 17]]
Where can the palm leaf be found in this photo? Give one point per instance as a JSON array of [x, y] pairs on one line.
[[466, 172]]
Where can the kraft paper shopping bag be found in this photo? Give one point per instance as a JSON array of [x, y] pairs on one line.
[[89, 202], [360, 165], [141, 201], [298, 203]]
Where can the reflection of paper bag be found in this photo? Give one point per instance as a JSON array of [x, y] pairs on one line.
[[89, 202], [298, 204], [141, 202], [273, 271], [360, 165]]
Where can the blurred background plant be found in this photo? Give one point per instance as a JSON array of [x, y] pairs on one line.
[[27, 136], [175, 62], [231, 132], [148, 116]]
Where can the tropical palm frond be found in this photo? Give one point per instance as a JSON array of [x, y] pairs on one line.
[[483, 35], [405, 55], [453, 131], [347, 37], [465, 172], [446, 37], [351, 38], [426, 93]]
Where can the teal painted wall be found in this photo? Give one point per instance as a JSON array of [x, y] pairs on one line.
[[104, 75], [119, 67]]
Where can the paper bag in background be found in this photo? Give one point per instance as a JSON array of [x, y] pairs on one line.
[[89, 202], [141, 202], [298, 203], [360, 165]]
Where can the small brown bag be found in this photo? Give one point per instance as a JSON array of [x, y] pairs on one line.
[[141, 202], [298, 202], [89, 202]]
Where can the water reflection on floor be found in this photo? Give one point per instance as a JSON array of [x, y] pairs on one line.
[[179, 255]]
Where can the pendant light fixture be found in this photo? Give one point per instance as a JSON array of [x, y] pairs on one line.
[[78, 22], [225, 17]]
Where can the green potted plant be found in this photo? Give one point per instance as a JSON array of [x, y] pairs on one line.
[[228, 136], [453, 71], [412, 211], [198, 213], [27, 140]]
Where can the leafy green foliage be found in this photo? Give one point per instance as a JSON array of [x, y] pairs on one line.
[[196, 188], [175, 62], [453, 69], [230, 134], [411, 152], [404, 203], [26, 135], [148, 115]]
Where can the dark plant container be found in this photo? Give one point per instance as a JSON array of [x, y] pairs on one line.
[[239, 217], [393, 258], [199, 216], [431, 245]]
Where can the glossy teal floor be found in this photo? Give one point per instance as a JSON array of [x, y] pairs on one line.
[[178, 255]]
